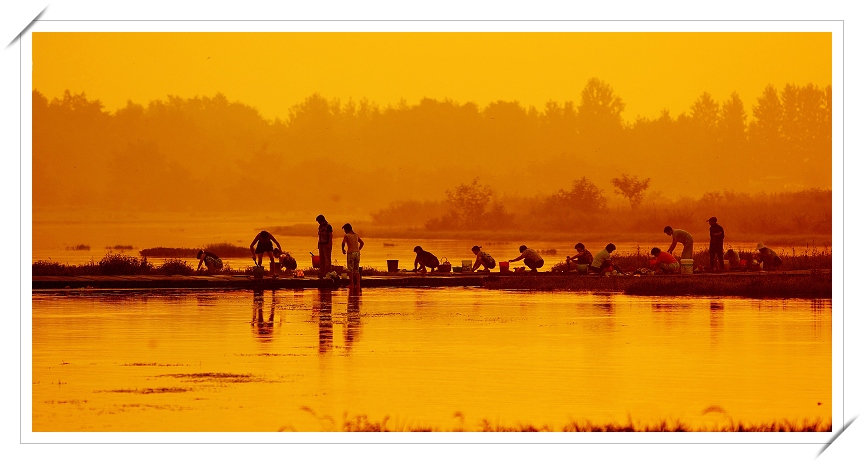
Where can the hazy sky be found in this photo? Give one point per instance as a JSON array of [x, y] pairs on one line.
[[274, 71]]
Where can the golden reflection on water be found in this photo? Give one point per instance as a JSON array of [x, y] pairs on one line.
[[439, 358]]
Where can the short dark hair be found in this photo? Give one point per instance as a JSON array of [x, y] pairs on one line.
[[200, 252], [475, 247], [320, 218], [667, 229], [417, 249], [347, 227], [579, 246], [610, 247], [522, 248], [655, 251]]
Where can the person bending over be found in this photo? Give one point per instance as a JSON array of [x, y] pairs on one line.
[[425, 259]]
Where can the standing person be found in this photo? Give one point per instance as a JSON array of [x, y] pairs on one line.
[[680, 235], [716, 246], [325, 244], [425, 259], [664, 262], [265, 245], [768, 257], [483, 259], [531, 257], [603, 261], [213, 262], [582, 256], [355, 244]]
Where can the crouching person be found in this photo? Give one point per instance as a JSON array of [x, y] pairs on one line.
[[603, 261], [425, 259], [483, 259], [532, 259], [664, 262]]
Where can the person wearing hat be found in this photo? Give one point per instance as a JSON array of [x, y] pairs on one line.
[[680, 235], [769, 259], [483, 259], [533, 260], [716, 246]]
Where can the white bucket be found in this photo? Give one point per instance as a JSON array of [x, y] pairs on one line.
[[686, 266]]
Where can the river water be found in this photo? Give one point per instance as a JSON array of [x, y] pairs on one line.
[[412, 359]]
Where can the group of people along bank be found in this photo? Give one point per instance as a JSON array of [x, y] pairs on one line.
[[602, 262]]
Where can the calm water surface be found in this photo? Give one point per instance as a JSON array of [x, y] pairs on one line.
[[307, 360]]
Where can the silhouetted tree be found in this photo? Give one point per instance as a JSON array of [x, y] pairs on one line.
[[598, 119], [631, 188]]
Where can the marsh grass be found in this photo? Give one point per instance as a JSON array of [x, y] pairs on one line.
[[113, 264], [174, 267], [362, 423], [120, 264]]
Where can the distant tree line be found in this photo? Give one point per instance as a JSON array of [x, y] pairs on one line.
[[584, 208], [208, 153]]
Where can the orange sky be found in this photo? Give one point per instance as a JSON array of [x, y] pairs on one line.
[[274, 71]]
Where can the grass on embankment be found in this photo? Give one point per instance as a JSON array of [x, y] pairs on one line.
[[113, 264], [814, 285]]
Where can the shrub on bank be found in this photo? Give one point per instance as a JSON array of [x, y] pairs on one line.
[[175, 267]]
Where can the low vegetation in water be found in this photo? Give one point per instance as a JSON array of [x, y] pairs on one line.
[[113, 264], [81, 247], [119, 247], [362, 423]]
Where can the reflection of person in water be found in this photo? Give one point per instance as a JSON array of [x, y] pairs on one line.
[[352, 320], [262, 328], [325, 320]]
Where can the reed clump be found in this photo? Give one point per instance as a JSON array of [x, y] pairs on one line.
[[174, 267], [120, 264], [362, 423], [111, 264]]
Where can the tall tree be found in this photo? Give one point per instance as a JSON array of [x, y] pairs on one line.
[[631, 188]]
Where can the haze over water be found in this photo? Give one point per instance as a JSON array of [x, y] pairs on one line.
[[308, 360]]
